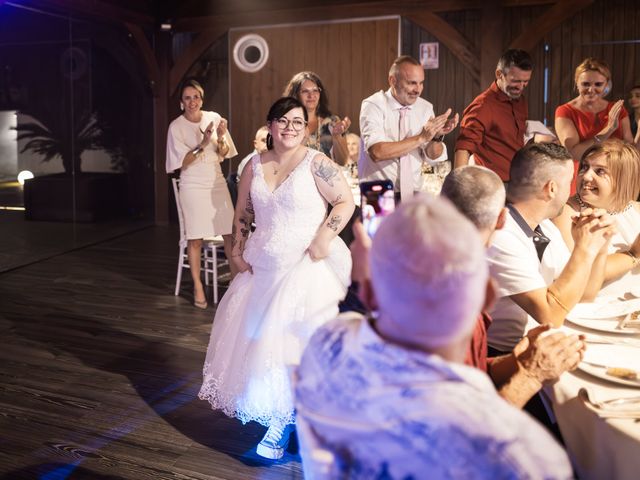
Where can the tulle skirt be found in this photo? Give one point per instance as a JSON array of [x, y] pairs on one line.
[[261, 327]]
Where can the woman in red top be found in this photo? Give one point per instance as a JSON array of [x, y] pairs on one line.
[[589, 118]]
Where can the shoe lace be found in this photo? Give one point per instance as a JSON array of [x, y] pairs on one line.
[[275, 433]]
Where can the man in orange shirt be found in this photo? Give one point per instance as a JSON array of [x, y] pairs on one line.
[[493, 125]]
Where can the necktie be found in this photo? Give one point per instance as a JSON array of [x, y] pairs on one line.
[[406, 173], [540, 240]]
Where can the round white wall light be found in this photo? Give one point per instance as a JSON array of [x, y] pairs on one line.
[[250, 53], [24, 175]]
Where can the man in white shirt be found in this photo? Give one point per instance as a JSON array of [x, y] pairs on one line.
[[399, 130], [390, 397], [259, 146], [536, 274]]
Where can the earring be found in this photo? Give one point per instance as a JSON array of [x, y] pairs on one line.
[[182, 107]]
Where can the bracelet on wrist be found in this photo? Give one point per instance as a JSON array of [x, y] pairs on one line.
[[196, 150], [635, 258], [438, 139]]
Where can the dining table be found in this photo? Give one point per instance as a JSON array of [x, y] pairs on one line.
[[597, 406]]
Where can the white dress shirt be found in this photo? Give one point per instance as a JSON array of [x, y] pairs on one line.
[[380, 122]]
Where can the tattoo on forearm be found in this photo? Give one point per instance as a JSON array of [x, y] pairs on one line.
[[334, 222], [249, 208], [325, 170], [245, 228], [337, 200], [239, 239]]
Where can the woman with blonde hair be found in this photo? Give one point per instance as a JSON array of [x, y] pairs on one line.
[[590, 118], [609, 179], [197, 142]]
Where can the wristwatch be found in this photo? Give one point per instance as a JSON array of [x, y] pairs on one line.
[[439, 138]]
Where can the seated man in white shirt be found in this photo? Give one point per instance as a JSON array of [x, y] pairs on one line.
[[537, 277], [399, 130], [391, 397], [259, 146]]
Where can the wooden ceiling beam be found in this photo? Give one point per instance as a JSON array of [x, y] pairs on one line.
[[451, 38], [149, 58], [332, 12], [201, 43], [547, 22], [99, 9]]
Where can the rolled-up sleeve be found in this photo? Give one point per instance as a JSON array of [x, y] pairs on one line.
[[473, 127], [372, 128]]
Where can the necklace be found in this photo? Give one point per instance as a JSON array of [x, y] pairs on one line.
[[583, 205]]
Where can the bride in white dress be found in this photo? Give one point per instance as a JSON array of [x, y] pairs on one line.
[[294, 270]]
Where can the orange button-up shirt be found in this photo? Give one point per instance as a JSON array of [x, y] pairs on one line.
[[493, 128]]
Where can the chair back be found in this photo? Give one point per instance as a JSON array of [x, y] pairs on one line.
[[176, 193]]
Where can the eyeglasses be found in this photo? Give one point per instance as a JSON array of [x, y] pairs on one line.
[[311, 91], [296, 123]]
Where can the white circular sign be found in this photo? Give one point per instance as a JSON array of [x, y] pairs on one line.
[[250, 53]]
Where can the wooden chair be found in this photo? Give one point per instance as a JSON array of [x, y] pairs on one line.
[[209, 256]]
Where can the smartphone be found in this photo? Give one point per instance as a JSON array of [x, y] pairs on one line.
[[377, 200]]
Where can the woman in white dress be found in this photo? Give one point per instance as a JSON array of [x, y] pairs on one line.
[[197, 142], [293, 271], [609, 178]]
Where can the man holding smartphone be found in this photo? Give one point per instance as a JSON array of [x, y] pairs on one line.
[[400, 130]]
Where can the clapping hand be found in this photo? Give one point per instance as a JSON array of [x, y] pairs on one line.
[[614, 116], [221, 129], [440, 125], [340, 127], [546, 357], [450, 124], [206, 135]]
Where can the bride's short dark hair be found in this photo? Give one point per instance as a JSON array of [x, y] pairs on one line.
[[283, 105]]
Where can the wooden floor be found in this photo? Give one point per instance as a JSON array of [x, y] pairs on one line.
[[100, 366]]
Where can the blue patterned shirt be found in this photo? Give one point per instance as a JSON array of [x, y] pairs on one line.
[[386, 412]]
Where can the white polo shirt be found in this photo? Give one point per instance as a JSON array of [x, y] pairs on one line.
[[514, 265], [380, 122]]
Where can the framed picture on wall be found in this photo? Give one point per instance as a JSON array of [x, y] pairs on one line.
[[429, 55]]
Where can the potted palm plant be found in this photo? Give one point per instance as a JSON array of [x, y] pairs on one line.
[[73, 195]]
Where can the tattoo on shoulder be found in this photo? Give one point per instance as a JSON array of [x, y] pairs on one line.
[[336, 201], [325, 170], [334, 222]]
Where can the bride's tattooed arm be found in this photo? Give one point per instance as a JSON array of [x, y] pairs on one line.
[[336, 191], [242, 220]]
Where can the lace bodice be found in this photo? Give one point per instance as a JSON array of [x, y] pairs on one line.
[[286, 219]]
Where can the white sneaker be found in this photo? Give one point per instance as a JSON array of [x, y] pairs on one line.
[[275, 441]]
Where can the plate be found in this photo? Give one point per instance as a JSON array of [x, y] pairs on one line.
[[605, 316], [612, 356], [605, 325], [604, 311]]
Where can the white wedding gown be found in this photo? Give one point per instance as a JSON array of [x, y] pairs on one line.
[[265, 319]]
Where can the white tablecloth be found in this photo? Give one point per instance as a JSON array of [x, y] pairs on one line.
[[599, 448]]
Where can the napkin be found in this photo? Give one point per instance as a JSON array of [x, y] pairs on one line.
[[622, 410]]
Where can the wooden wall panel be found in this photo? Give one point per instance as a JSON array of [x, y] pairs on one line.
[[606, 30], [351, 58], [451, 85]]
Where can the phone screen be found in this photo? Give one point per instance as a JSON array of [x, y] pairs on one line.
[[377, 201]]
